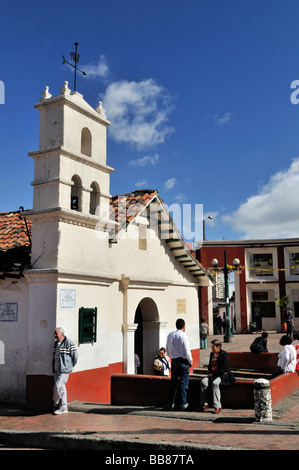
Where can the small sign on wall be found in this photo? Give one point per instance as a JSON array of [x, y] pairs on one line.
[[181, 306], [8, 312], [257, 296], [67, 298]]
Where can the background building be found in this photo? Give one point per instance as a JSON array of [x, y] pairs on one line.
[[269, 269]]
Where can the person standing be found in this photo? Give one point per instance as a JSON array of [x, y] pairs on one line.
[[65, 357], [178, 349], [290, 322], [204, 330], [217, 324]]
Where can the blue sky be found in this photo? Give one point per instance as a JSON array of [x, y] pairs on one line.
[[198, 94]]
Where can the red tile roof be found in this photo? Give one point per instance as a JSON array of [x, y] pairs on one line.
[[125, 207], [13, 231]]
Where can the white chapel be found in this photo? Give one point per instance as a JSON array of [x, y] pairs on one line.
[[113, 271]]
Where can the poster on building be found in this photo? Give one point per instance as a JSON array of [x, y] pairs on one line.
[[8, 312], [67, 298], [181, 306]]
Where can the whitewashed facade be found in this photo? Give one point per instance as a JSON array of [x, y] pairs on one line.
[[76, 262]]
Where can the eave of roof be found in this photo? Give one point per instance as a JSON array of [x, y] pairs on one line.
[[133, 204]]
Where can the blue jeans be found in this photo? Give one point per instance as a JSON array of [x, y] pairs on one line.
[[203, 343], [179, 382], [289, 329]]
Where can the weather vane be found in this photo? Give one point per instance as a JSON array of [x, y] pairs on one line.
[[75, 57]]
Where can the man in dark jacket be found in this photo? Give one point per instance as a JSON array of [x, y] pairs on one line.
[[219, 373], [259, 344]]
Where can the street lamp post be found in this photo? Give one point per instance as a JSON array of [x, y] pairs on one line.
[[204, 227], [228, 337]]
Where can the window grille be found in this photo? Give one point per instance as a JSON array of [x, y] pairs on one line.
[[87, 325]]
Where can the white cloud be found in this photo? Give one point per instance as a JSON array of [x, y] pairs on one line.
[[98, 69], [180, 198], [138, 112], [145, 160], [274, 211], [221, 120], [169, 184], [141, 184]]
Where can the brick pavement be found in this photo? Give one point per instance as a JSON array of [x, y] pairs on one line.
[[103, 427], [99, 430]]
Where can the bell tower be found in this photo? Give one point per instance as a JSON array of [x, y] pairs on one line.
[[71, 177], [70, 165]]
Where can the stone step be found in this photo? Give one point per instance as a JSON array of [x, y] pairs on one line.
[[238, 373]]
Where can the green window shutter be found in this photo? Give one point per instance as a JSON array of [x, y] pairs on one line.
[[87, 325]]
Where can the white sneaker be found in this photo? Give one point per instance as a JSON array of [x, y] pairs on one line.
[[60, 411]]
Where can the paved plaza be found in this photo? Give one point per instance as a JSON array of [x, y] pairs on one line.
[[114, 429]]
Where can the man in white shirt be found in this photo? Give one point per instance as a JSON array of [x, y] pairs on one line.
[[178, 349]]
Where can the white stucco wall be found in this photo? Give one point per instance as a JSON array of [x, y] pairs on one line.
[[14, 341], [90, 294]]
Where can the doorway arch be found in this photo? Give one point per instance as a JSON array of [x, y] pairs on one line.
[[147, 334]]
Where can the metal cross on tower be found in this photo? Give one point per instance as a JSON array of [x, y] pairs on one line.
[[75, 57]]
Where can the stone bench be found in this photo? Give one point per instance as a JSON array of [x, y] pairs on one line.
[[249, 360], [150, 390]]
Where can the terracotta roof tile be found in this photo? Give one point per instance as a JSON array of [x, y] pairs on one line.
[[125, 207], [13, 231]]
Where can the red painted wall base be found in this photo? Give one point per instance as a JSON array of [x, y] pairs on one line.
[[283, 386], [92, 385], [89, 385]]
